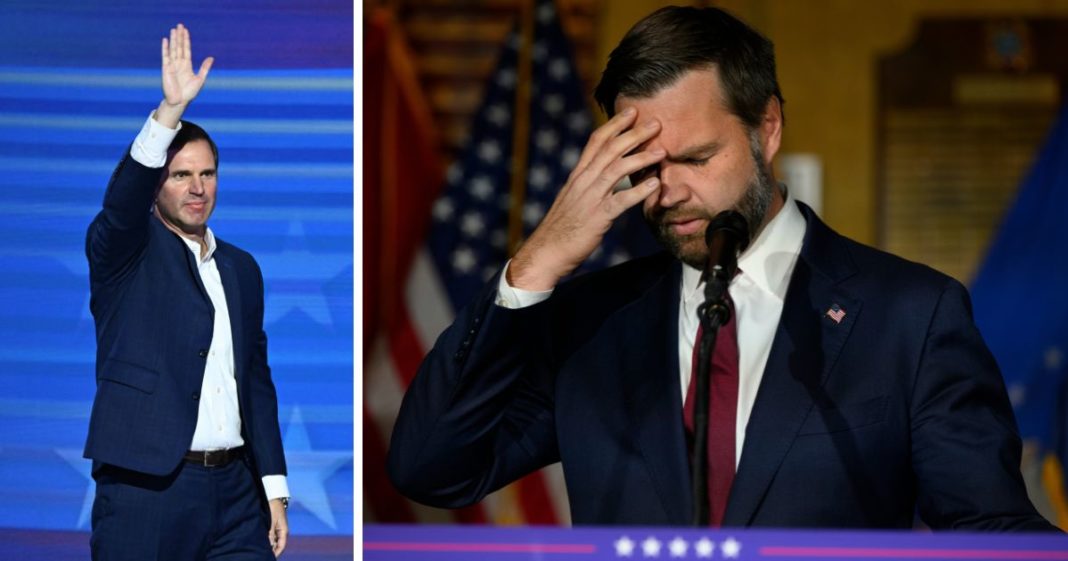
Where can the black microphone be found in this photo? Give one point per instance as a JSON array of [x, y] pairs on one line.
[[727, 235]]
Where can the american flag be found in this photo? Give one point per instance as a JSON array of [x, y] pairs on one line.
[[836, 313], [468, 239]]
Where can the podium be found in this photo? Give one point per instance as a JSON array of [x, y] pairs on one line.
[[482, 543]]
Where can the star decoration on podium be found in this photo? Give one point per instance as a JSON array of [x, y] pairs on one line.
[[678, 547], [704, 547], [651, 547], [730, 548]]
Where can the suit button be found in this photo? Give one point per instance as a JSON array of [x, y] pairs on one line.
[[203, 353], [196, 396]]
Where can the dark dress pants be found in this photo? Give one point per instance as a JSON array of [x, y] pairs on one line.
[[196, 513]]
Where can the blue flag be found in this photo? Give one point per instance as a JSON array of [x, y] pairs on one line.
[[1020, 297]]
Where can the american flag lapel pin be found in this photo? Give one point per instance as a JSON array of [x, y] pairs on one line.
[[836, 313]]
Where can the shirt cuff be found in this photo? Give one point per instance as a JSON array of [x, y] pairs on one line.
[[514, 298], [275, 486], [150, 147]]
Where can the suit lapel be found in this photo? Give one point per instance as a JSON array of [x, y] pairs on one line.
[[650, 379], [806, 346], [177, 245]]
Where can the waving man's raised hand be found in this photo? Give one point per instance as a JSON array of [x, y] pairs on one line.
[[180, 84]]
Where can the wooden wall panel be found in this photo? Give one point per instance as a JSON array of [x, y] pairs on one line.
[[963, 110]]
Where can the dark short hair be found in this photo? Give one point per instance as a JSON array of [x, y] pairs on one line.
[[190, 132], [672, 41]]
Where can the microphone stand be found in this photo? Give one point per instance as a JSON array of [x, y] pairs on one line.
[[713, 314]]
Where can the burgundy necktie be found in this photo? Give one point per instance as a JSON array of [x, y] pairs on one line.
[[722, 411]]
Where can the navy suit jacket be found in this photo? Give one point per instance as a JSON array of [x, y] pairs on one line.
[[898, 407], [154, 325]]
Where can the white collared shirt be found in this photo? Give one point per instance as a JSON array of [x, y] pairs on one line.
[[218, 420], [219, 413], [758, 292]]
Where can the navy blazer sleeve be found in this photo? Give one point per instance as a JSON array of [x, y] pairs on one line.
[[965, 448], [478, 414], [119, 232]]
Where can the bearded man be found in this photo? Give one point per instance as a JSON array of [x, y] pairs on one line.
[[850, 389]]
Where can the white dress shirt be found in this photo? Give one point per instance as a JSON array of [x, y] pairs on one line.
[[218, 422], [218, 417], [758, 292]]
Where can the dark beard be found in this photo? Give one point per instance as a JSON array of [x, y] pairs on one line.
[[753, 206]]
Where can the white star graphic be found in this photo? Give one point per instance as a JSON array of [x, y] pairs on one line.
[[1017, 394], [498, 239], [704, 547], [506, 78], [559, 69], [480, 188], [309, 469], [83, 466], [498, 114], [624, 547], [472, 224], [578, 122], [678, 547], [553, 104], [295, 278], [464, 260], [731, 548], [489, 151], [570, 157], [651, 547], [539, 177], [547, 140], [443, 209], [75, 263], [454, 174], [546, 13], [532, 213], [1053, 358], [540, 51]]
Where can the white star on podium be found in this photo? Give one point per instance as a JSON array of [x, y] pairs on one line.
[[624, 547], [704, 547], [678, 547], [730, 547], [651, 547]]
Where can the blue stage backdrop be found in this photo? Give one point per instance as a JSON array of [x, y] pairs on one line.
[[77, 80]]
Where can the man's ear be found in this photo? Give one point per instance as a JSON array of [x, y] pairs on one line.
[[771, 129]]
